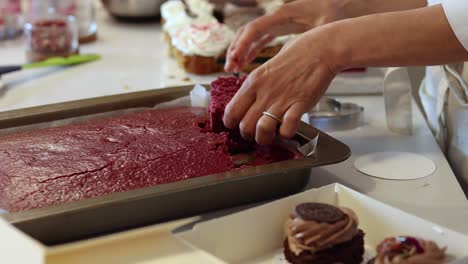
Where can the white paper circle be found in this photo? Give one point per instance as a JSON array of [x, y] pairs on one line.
[[395, 165]]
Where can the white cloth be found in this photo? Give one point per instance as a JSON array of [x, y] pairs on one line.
[[455, 118], [433, 90], [432, 94], [444, 96], [456, 13], [434, 2]]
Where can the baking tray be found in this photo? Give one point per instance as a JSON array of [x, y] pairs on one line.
[[92, 217]]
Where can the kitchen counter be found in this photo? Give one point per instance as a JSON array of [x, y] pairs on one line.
[[438, 197], [135, 58]]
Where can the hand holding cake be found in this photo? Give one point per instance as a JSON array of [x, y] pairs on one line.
[[286, 86], [294, 80], [295, 17]]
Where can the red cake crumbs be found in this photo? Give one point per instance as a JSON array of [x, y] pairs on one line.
[[222, 91], [50, 37], [95, 158], [117, 154]]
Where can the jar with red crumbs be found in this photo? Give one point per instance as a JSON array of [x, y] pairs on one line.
[[11, 19], [49, 33]]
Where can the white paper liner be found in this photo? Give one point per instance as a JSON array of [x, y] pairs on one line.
[[395, 165]]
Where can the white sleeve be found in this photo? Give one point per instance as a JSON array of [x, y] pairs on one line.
[[456, 12], [434, 2]]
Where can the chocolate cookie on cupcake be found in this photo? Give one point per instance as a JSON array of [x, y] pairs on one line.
[[408, 250], [323, 234]]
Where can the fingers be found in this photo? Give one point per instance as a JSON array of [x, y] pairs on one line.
[[291, 119], [248, 125], [251, 33], [245, 111], [231, 60], [236, 53], [239, 105], [267, 125], [256, 47]]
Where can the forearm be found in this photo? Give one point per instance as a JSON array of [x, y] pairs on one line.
[[356, 8], [415, 37]]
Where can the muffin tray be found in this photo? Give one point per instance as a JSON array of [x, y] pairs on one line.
[[93, 217]]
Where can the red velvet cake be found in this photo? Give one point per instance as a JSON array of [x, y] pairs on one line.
[[110, 155], [222, 91], [99, 157]]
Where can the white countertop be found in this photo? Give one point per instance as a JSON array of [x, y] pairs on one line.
[[135, 58], [438, 197]]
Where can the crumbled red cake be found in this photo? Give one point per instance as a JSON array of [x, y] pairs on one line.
[[222, 91], [50, 37], [95, 158], [137, 150]]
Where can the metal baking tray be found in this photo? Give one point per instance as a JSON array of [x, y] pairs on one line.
[[92, 217]]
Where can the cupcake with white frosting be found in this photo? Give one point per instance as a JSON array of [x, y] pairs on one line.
[[204, 39], [198, 41]]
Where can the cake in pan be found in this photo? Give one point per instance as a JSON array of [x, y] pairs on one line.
[[198, 40], [98, 157]]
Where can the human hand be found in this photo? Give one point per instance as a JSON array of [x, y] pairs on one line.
[[295, 17], [286, 86]]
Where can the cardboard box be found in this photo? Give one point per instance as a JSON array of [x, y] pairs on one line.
[[251, 236], [148, 245], [256, 235]]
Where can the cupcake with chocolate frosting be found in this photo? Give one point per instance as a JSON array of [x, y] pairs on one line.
[[408, 250], [322, 234]]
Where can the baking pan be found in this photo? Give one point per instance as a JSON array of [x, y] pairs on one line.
[[120, 211]]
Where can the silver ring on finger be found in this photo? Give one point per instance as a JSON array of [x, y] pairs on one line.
[[277, 119]]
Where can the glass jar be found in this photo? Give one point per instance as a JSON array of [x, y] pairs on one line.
[[49, 33], [11, 19], [84, 12]]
